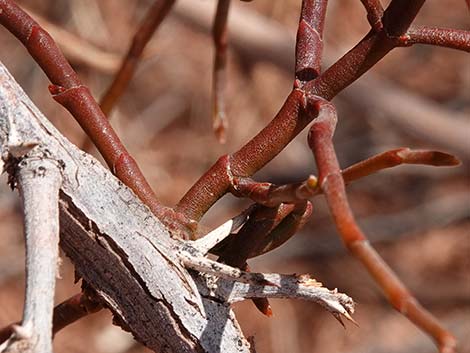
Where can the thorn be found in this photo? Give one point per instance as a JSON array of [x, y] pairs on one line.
[[338, 317], [262, 304], [269, 311], [21, 149], [349, 317]]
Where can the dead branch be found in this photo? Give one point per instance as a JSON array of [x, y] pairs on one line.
[[105, 226], [38, 179]]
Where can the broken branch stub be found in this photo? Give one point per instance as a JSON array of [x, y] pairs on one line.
[[123, 251], [118, 246]]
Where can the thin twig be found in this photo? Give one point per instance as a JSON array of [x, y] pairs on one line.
[[375, 12], [397, 157], [152, 20], [262, 285], [68, 90], [154, 17], [332, 184], [219, 33], [443, 37]]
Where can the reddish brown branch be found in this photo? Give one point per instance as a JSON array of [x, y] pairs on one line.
[[73, 309], [66, 313], [271, 195], [372, 48], [245, 162], [375, 12], [219, 33], [153, 18], [289, 122], [332, 185], [67, 89], [443, 37], [309, 44], [397, 157]]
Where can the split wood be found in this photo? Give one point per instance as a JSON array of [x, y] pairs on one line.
[[123, 251], [93, 229]]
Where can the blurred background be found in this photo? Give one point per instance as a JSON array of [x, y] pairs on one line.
[[417, 217]]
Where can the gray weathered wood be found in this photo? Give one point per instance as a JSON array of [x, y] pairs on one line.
[[39, 179], [129, 258], [117, 245]]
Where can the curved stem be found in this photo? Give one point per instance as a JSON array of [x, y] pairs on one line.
[[332, 184], [289, 121], [68, 90]]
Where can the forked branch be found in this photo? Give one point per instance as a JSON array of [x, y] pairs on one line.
[[332, 184], [290, 120], [149, 290], [68, 90]]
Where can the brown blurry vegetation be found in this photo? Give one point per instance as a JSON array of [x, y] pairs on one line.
[[417, 217]]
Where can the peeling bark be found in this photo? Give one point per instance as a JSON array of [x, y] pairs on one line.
[[124, 252]]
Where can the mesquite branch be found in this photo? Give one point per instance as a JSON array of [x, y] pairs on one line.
[[38, 179], [68, 90], [332, 184], [280, 210], [443, 37], [219, 33], [149, 290], [290, 120], [152, 20]]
